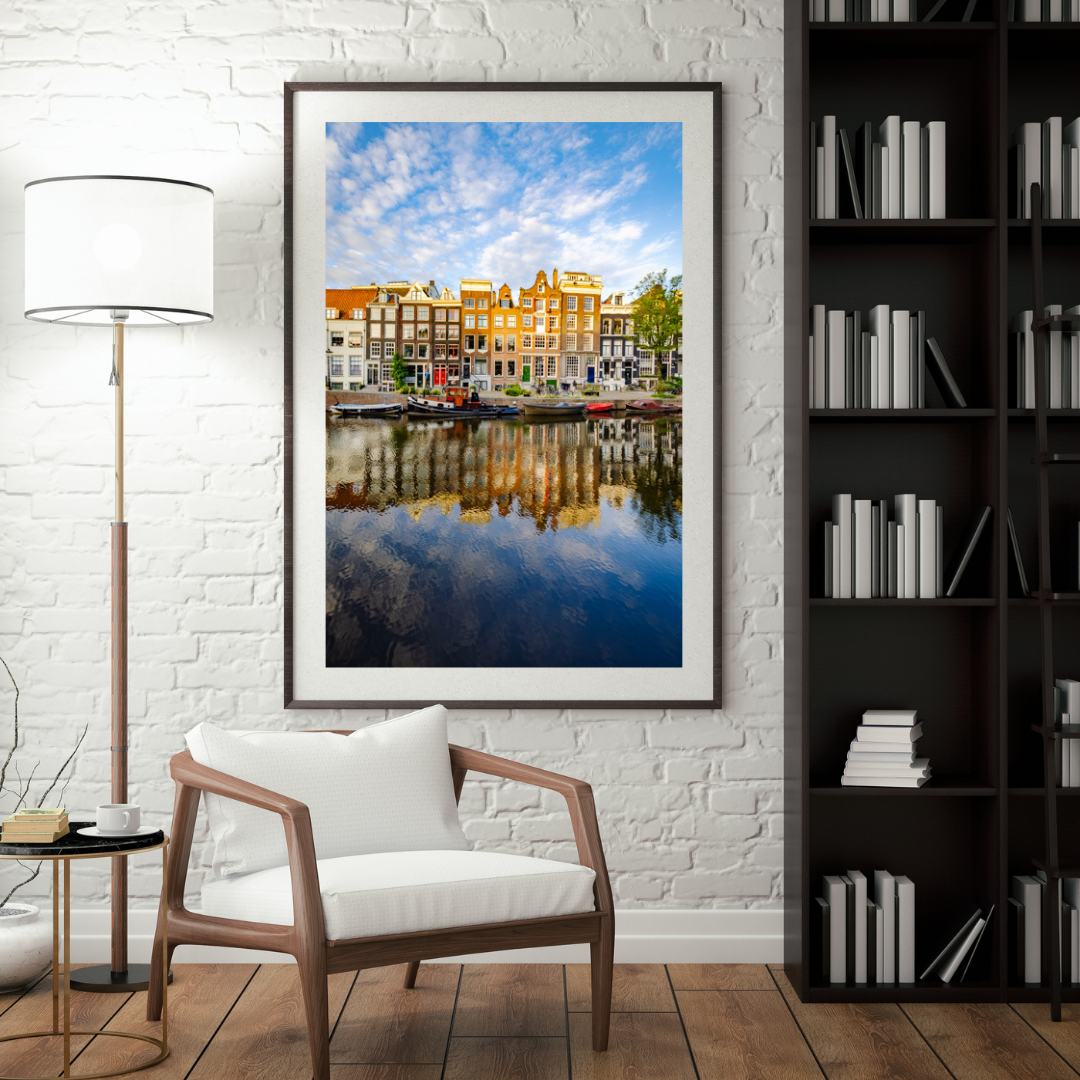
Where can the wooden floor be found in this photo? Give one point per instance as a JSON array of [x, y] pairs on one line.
[[504, 1022]]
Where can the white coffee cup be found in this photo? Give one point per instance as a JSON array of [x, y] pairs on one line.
[[118, 818]]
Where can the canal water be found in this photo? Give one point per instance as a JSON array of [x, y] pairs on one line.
[[504, 543]]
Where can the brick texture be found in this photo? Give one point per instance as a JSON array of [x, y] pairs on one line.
[[689, 805]]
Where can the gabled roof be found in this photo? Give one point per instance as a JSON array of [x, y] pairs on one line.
[[346, 299]]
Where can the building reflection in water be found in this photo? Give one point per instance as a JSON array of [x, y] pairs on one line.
[[430, 521]]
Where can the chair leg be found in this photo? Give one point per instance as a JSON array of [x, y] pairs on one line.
[[602, 954], [154, 990], [410, 974], [317, 1010]]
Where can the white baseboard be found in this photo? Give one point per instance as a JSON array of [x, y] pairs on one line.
[[641, 937]]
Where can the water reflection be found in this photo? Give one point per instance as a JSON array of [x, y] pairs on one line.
[[502, 543]]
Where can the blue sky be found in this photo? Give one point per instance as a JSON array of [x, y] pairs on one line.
[[501, 201]]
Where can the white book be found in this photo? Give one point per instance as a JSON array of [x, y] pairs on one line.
[[901, 10], [836, 10], [901, 360], [906, 511], [885, 895], [1051, 163], [1026, 358], [863, 548], [842, 519], [858, 879], [1056, 382], [835, 359], [1055, 11], [835, 893], [883, 781], [1070, 893], [902, 736], [919, 766], [927, 549], [880, 757], [1027, 891], [901, 561], [899, 717], [818, 314], [836, 561], [874, 392], [949, 970], [819, 162], [1074, 349], [901, 749], [905, 931], [890, 141], [819, 10], [1031, 10], [1070, 144], [885, 213], [936, 128], [881, 332], [828, 141], [879, 939], [810, 371], [1030, 138], [911, 149]]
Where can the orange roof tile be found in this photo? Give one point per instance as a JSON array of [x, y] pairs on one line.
[[347, 299]]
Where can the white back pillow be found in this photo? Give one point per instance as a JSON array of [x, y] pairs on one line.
[[387, 787]]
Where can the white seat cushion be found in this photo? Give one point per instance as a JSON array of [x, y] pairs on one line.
[[387, 787], [402, 891]]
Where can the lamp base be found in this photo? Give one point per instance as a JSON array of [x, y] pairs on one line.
[[103, 980]]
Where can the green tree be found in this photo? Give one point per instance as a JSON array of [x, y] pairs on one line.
[[399, 371], [658, 311]]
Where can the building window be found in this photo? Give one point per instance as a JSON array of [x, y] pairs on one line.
[[586, 322], [481, 322], [470, 342], [553, 322], [498, 343], [619, 298], [553, 342], [540, 288], [470, 322], [337, 339], [629, 326], [452, 352], [407, 313], [605, 348], [337, 365], [335, 386], [571, 341], [421, 352], [511, 320], [455, 331], [440, 352], [511, 343], [375, 350], [469, 302], [539, 322], [571, 303], [356, 365], [498, 321], [553, 365], [423, 332], [605, 326], [527, 320], [481, 342], [572, 367], [440, 314], [539, 305], [527, 301], [480, 366], [407, 351], [423, 313], [376, 330], [331, 313], [616, 326], [504, 302], [408, 331], [587, 303], [553, 304], [571, 322], [510, 365], [455, 315], [498, 367], [440, 333], [482, 303], [372, 374], [586, 342], [526, 341], [356, 341], [354, 386], [357, 312]]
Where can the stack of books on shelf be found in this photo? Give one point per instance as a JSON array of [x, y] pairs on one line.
[[1044, 10], [39, 825], [1062, 362], [864, 10], [878, 362], [1067, 711], [1047, 154], [883, 754], [901, 175], [1027, 895], [867, 941]]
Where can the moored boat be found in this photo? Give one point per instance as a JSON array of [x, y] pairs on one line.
[[386, 409], [422, 407], [554, 408], [643, 406], [600, 407]]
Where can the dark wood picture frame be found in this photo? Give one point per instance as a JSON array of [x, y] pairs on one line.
[[703, 683]]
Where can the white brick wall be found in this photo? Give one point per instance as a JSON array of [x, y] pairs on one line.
[[689, 804]]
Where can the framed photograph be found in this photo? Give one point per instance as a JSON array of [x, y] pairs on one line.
[[502, 395]]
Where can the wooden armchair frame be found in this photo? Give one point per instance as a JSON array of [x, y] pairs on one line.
[[316, 957]]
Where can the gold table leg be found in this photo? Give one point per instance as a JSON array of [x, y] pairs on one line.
[[67, 967], [56, 947]]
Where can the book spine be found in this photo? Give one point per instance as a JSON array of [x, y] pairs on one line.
[[1051, 164], [901, 360], [877, 180], [818, 318], [924, 172], [829, 145], [936, 154], [913, 360], [939, 536], [912, 175], [835, 338], [885, 895], [842, 520], [880, 328], [920, 358], [927, 516], [830, 581], [863, 549], [849, 362], [883, 558], [895, 538], [836, 897], [1031, 137], [905, 931], [855, 318], [906, 510], [874, 944], [889, 134], [858, 919], [1056, 372], [875, 551], [901, 561]]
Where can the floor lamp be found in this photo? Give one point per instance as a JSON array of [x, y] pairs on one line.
[[119, 251]]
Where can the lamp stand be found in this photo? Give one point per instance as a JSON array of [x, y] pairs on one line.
[[121, 977]]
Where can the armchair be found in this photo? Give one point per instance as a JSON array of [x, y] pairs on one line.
[[318, 955]]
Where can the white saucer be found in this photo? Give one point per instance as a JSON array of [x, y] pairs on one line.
[[93, 830]]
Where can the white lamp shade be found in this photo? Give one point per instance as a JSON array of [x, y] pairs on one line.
[[96, 245]]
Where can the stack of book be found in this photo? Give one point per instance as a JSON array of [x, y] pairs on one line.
[[1067, 711], [38, 825], [883, 754], [1044, 10], [1062, 362], [863, 940], [1028, 892], [864, 10], [1047, 154], [877, 362], [901, 174]]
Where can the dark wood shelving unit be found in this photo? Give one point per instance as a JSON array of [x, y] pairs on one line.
[[971, 664]]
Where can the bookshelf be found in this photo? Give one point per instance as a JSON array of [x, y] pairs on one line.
[[970, 664]]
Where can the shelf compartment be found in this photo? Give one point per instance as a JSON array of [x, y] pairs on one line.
[[907, 602], [898, 231], [932, 40], [902, 415], [944, 786]]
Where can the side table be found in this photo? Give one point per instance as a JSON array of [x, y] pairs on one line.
[[64, 850]]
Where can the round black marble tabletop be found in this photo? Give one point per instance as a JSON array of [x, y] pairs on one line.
[[74, 844]]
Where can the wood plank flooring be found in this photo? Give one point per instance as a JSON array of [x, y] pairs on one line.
[[532, 1022]]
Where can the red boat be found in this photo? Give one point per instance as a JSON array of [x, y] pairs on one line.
[[644, 406], [600, 406]]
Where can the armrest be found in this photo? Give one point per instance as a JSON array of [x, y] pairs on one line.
[[579, 801], [296, 818]]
